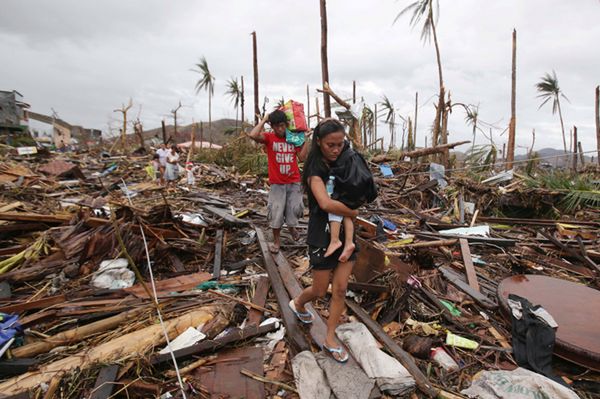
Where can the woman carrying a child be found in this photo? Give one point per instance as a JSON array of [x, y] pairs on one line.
[[332, 254]]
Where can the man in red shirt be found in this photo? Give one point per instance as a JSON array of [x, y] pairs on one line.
[[285, 197]]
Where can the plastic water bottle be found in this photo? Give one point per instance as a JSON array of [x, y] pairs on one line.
[[330, 185]]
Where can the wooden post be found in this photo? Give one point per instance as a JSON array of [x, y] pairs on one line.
[[174, 112], [574, 149], [354, 92], [581, 156], [510, 157], [375, 127], [255, 66], [308, 106], [415, 123], [597, 108], [164, 131], [324, 62], [201, 135]]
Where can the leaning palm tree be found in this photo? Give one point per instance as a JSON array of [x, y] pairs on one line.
[[234, 92], [549, 90], [390, 119], [206, 82], [423, 11]]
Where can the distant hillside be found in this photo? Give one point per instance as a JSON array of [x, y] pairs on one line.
[[217, 134]]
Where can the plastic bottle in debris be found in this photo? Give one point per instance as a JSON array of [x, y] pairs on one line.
[[330, 185], [443, 359]]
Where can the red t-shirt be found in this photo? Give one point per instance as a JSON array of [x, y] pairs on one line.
[[281, 155]]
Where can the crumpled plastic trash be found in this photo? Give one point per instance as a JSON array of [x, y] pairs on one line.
[[516, 384], [113, 274], [438, 172], [187, 338], [9, 327], [193, 218]]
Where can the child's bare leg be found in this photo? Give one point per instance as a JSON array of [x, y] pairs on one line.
[[334, 241], [348, 243]]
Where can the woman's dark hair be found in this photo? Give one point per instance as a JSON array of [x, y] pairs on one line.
[[276, 117], [314, 163]]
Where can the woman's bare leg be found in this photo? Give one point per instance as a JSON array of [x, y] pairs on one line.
[[316, 290], [337, 305]]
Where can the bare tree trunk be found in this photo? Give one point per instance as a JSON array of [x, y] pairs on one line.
[[164, 131], [441, 100], [354, 92], [243, 102], [445, 155], [201, 135], [581, 156], [597, 109], [415, 124], [574, 149], [562, 126], [210, 119], [324, 62], [375, 125], [255, 66], [510, 157]]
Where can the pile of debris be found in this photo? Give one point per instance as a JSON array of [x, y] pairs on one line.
[[112, 285]]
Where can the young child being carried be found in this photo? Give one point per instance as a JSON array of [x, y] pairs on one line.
[[350, 182]]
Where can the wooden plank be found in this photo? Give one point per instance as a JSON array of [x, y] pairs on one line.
[[226, 216], [39, 304], [211, 345], [218, 254], [318, 328], [376, 288], [34, 217], [571, 252], [179, 283], [105, 383], [403, 357], [456, 280], [290, 320], [260, 298], [468, 260], [223, 379]]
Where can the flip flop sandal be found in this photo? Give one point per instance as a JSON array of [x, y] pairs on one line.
[[300, 315], [339, 351]]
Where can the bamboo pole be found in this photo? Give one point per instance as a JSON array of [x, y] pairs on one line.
[[75, 335], [125, 346]]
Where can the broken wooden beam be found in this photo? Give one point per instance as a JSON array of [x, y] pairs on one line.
[[456, 279], [218, 255], [468, 260], [260, 298], [233, 336], [418, 153], [403, 357], [290, 320], [226, 216], [105, 383]]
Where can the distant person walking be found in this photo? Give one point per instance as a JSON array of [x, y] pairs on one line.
[[172, 169]]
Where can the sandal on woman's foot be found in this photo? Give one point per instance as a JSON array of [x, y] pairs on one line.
[[304, 317], [342, 355]]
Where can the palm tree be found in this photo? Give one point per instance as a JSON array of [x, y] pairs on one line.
[[206, 82], [390, 119], [234, 92], [472, 118], [423, 11], [549, 90]]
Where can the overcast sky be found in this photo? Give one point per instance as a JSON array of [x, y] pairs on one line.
[[85, 58]]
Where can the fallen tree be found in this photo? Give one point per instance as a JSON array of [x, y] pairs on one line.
[[417, 153]]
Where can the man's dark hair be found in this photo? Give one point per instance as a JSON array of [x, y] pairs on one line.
[[276, 117]]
